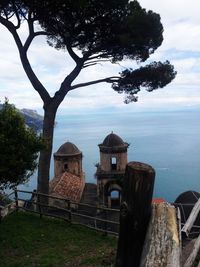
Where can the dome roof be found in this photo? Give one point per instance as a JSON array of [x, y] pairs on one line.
[[188, 197], [68, 149], [112, 140]]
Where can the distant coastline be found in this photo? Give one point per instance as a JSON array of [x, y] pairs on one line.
[[32, 118]]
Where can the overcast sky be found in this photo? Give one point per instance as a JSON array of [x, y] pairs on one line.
[[181, 46]]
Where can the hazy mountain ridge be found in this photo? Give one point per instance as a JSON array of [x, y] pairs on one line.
[[32, 118]]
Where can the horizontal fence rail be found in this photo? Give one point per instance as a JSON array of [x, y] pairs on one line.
[[99, 218]]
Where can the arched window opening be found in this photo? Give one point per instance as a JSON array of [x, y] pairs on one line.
[[113, 163]]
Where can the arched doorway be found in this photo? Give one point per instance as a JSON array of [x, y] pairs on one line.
[[115, 198], [114, 195]]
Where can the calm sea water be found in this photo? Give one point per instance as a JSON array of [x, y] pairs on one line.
[[169, 141]]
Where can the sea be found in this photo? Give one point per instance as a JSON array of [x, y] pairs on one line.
[[168, 140]]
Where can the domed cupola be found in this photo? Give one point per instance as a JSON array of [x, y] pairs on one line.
[[68, 158], [69, 178], [113, 140], [113, 144], [67, 149]]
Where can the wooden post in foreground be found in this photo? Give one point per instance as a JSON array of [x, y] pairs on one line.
[[162, 243], [135, 213]]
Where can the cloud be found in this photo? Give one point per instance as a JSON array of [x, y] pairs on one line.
[[173, 12], [182, 36]]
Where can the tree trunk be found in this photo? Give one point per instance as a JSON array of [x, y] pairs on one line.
[[45, 155]]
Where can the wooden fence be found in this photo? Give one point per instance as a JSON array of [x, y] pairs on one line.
[[102, 219]]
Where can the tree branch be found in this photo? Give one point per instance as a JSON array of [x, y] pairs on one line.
[[71, 52], [17, 15], [107, 80], [94, 62], [37, 85], [98, 56], [25, 62], [66, 84], [32, 33], [5, 14], [11, 27], [89, 65], [31, 37]]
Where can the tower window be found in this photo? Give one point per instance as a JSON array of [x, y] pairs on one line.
[[113, 163], [65, 167]]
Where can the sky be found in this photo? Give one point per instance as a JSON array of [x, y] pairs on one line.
[[181, 46]]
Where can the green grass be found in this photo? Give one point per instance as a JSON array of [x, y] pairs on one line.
[[27, 240]]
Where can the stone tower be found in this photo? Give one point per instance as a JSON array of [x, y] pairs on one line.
[[68, 158], [69, 179], [111, 169]]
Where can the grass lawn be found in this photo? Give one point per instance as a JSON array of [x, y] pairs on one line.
[[28, 241]]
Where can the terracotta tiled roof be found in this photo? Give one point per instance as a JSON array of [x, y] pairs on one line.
[[158, 200], [68, 186]]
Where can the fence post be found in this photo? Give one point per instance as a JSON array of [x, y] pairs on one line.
[[1, 216], [16, 200], [39, 201], [134, 213], [105, 223], [34, 199], [69, 208]]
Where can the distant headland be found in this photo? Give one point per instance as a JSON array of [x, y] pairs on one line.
[[32, 118]]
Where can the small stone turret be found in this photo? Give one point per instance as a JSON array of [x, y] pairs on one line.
[[68, 158], [69, 179], [111, 169]]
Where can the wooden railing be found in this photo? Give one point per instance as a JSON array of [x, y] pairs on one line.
[[99, 218]]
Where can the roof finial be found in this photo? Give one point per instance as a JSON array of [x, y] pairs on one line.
[[112, 132]]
